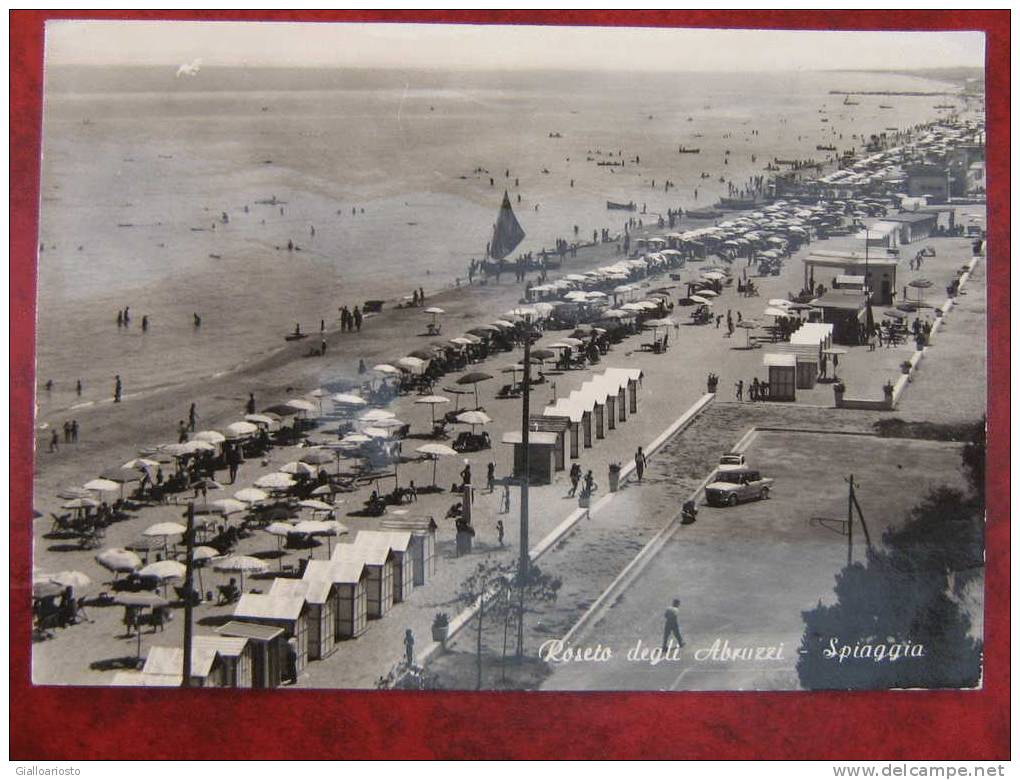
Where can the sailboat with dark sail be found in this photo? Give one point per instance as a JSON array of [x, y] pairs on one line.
[[507, 235]]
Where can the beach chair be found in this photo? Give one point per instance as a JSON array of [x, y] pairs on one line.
[[183, 596], [61, 523], [228, 594]]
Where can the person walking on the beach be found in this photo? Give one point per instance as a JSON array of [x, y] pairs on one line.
[[575, 479], [249, 408], [78, 387], [357, 319], [118, 389], [67, 431], [465, 475], [718, 321], [145, 322], [499, 532], [197, 320], [127, 316], [640, 461], [504, 504], [74, 431], [490, 476], [54, 441], [589, 484], [120, 318], [182, 432], [671, 629], [192, 417], [740, 390]]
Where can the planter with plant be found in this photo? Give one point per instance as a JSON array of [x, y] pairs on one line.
[[440, 627]]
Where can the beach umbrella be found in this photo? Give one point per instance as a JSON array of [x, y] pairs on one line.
[[141, 599], [101, 485], [241, 564], [386, 368], [389, 424], [45, 589], [194, 445], [224, 506], [213, 437], [164, 571], [473, 378], [374, 415], [251, 495], [200, 556], [461, 341], [542, 355], [70, 493], [412, 365], [164, 531], [434, 310], [571, 341], [119, 560], [121, 475], [433, 401], [275, 481], [71, 579], [774, 311], [748, 326], [376, 433], [327, 528], [355, 439], [145, 464], [80, 503], [281, 531], [780, 302], [316, 506], [155, 455], [435, 452], [240, 430], [701, 300], [474, 418], [301, 405], [503, 324], [317, 457], [297, 468], [349, 399]]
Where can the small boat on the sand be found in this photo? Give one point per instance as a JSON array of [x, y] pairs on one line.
[[295, 336], [621, 206], [848, 102], [685, 150], [822, 148], [884, 106]]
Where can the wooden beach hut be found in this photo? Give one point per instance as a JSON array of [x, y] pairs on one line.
[[782, 370], [633, 377], [287, 612], [322, 600], [403, 567], [541, 445], [206, 666], [377, 559], [269, 650], [350, 579], [237, 654], [572, 416], [423, 545], [559, 426]]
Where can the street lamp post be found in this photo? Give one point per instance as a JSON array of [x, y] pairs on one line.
[[525, 561]]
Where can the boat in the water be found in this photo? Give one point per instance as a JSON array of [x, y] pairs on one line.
[[738, 204], [621, 206], [848, 102], [945, 105], [884, 106], [685, 150]]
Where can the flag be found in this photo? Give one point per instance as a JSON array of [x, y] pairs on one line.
[[508, 232]]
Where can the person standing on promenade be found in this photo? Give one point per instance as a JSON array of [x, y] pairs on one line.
[[504, 504], [67, 431], [640, 461], [740, 390], [249, 408], [78, 388], [357, 319], [409, 647], [192, 417], [490, 476], [575, 479], [118, 389], [499, 532], [671, 629], [145, 323], [74, 431], [54, 441]]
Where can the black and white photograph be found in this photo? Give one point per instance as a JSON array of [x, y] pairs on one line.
[[510, 358]]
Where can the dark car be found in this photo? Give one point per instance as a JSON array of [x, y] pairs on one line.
[[737, 485]]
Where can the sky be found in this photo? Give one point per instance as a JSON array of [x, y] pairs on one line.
[[500, 47]]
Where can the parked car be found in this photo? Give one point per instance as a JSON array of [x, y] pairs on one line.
[[737, 485], [731, 461]]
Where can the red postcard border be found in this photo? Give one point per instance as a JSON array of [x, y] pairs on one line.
[[76, 723]]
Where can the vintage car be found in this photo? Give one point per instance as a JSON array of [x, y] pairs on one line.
[[732, 487], [731, 461]]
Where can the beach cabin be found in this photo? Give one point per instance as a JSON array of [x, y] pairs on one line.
[[322, 600], [287, 612], [782, 370], [399, 543], [879, 272], [541, 445], [914, 226], [633, 377], [350, 580], [423, 546], [269, 650], [807, 343], [559, 426], [594, 402], [237, 655], [377, 559], [206, 666], [844, 310], [572, 416], [881, 235]]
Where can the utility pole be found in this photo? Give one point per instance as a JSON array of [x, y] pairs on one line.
[[852, 504], [525, 560], [189, 544]]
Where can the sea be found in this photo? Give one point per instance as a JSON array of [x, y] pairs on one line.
[[176, 195]]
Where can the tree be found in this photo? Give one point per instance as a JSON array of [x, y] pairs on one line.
[[486, 588]]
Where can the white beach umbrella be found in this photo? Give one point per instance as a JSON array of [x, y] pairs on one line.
[[164, 570], [251, 495], [101, 485], [275, 481], [241, 564], [118, 560], [386, 368], [213, 437], [349, 399], [240, 430], [374, 415], [301, 405], [296, 467]]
